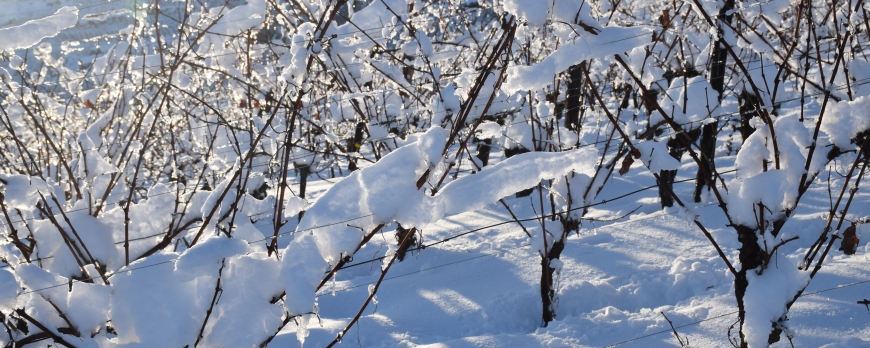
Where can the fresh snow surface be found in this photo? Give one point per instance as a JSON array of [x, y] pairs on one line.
[[482, 289], [610, 41], [33, 31]]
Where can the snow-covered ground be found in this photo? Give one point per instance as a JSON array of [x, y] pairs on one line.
[[482, 289]]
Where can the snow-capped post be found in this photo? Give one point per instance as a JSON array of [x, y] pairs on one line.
[[573, 102], [510, 152], [484, 146], [548, 291], [354, 144], [401, 237], [304, 170], [718, 60], [676, 149]]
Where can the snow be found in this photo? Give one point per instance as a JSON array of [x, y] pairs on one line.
[[366, 200], [511, 175], [488, 130], [300, 282], [8, 290], [687, 101], [766, 298], [155, 292], [840, 121], [519, 135], [91, 163], [425, 44], [477, 291], [655, 156], [849, 342], [22, 191], [529, 10], [203, 256], [767, 188], [612, 40], [86, 306], [33, 277], [33, 31], [711, 7], [244, 314]]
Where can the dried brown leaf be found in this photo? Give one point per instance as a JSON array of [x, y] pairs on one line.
[[850, 241], [626, 164], [665, 18]]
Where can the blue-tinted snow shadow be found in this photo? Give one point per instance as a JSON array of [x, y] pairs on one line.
[[439, 296]]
